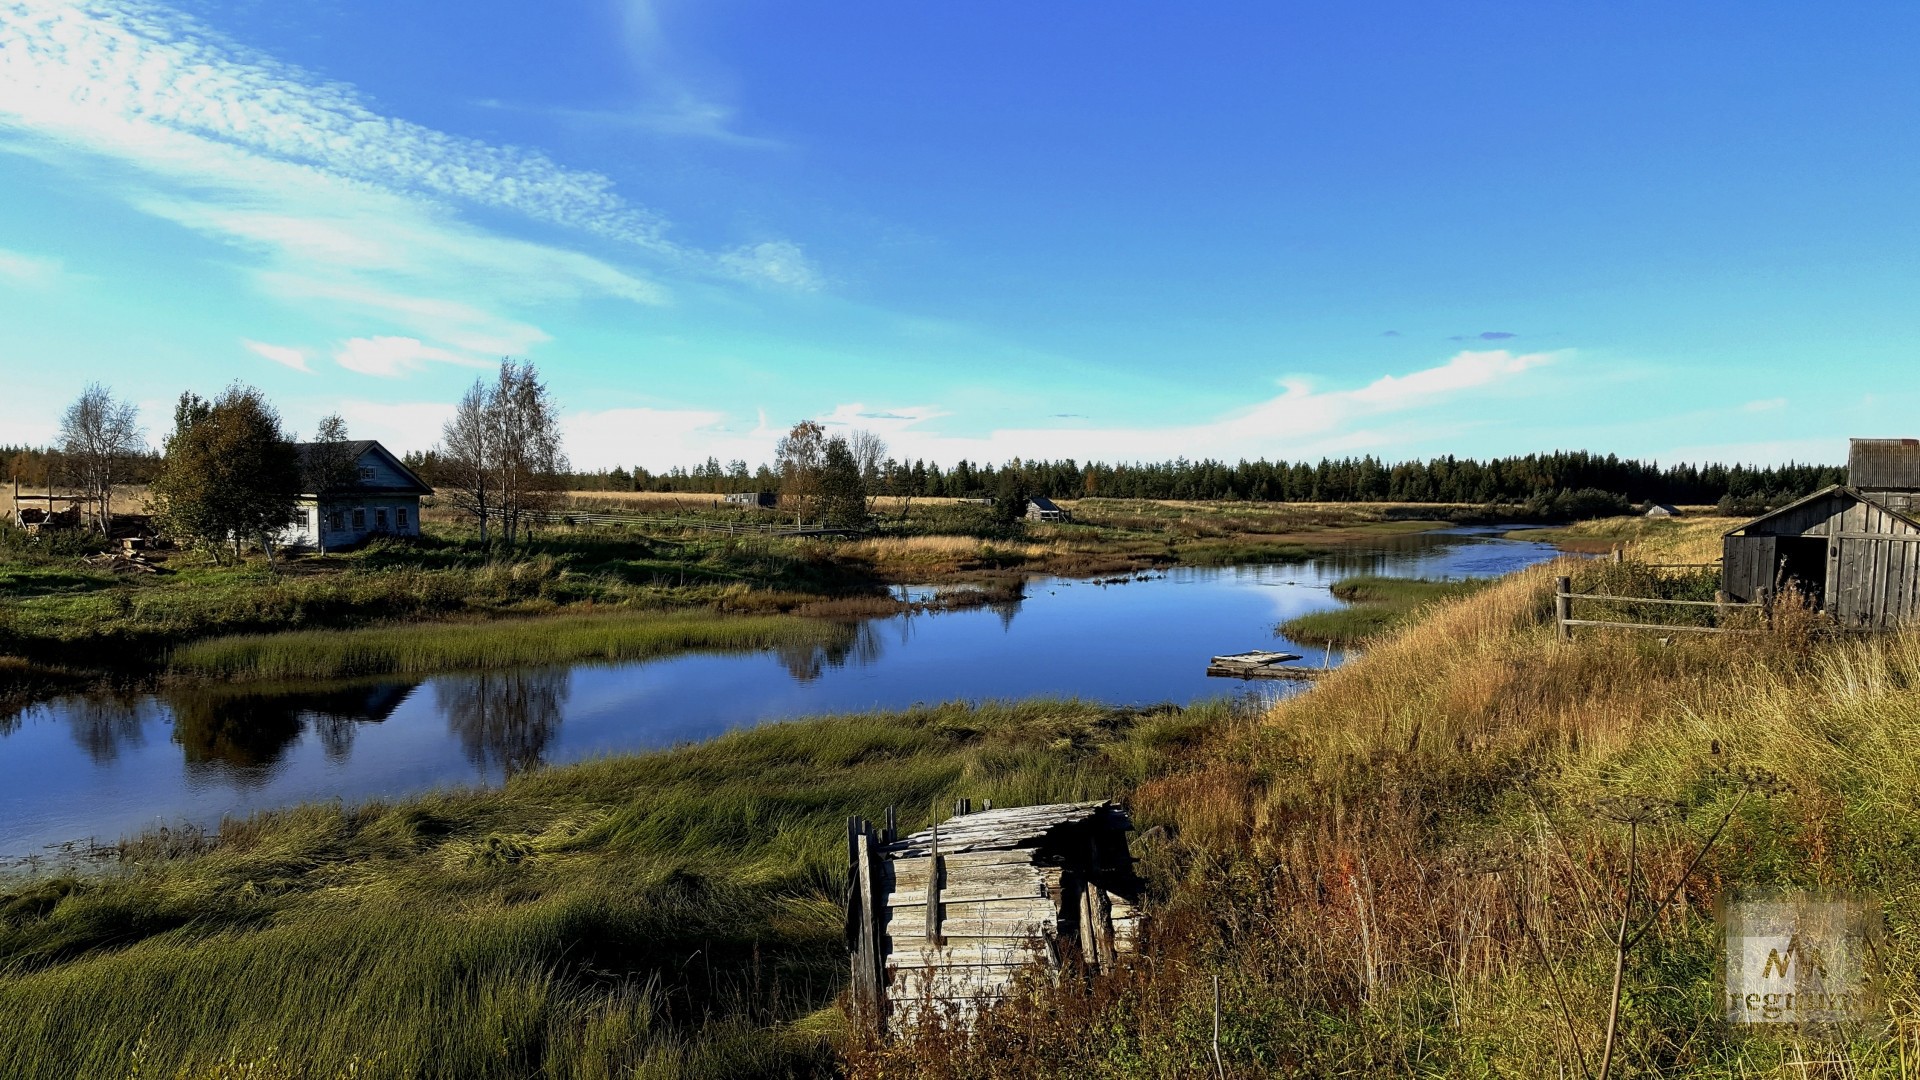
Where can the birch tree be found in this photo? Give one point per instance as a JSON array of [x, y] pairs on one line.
[[502, 452], [97, 435]]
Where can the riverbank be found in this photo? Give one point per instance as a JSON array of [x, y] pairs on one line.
[[68, 616], [1418, 867], [676, 913]]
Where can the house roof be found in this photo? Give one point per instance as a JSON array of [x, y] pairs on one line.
[[1877, 464], [1840, 489], [357, 449], [1041, 502]]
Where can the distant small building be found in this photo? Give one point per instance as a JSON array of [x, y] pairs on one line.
[[1660, 510], [1041, 508], [1854, 548], [764, 499], [381, 499]]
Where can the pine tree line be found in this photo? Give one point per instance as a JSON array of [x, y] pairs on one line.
[[1449, 479]]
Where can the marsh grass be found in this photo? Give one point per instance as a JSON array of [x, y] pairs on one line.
[[437, 647], [669, 914], [1409, 869], [1375, 605]]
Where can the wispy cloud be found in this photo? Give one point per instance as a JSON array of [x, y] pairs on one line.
[[1302, 421], [392, 356], [1764, 405], [285, 355], [23, 269], [673, 101], [296, 169], [1485, 335]]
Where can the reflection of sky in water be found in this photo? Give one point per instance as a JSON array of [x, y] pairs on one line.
[[102, 766]]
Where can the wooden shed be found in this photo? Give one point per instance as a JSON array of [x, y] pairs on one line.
[[1041, 508], [946, 919], [1854, 548]]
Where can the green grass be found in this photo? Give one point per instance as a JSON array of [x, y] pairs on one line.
[[669, 914], [434, 647], [1376, 605]]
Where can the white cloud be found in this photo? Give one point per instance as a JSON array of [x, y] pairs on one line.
[[393, 356], [1765, 405], [401, 427], [775, 262], [363, 209], [279, 354], [1300, 422], [23, 269]]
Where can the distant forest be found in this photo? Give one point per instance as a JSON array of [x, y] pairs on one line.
[[1560, 478], [1533, 478]]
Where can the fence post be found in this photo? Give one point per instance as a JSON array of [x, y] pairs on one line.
[[1618, 550], [1764, 594], [1563, 606], [1719, 607]]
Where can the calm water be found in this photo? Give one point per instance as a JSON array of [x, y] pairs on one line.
[[103, 767]]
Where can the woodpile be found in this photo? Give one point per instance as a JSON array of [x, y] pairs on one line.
[[945, 920]]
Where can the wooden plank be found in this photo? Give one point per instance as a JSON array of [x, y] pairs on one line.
[[873, 972], [1658, 626], [1655, 600], [932, 890]]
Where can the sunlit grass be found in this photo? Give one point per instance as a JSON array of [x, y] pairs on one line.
[[426, 648], [675, 913]]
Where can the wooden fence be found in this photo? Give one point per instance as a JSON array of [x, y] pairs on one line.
[[1564, 596]]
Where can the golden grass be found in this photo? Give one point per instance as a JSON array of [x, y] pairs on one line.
[[1687, 539], [1414, 868]]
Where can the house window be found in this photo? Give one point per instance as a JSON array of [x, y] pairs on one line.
[[366, 472], [335, 521], [359, 517], [400, 516], [380, 519]]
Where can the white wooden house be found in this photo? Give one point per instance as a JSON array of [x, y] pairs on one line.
[[383, 498]]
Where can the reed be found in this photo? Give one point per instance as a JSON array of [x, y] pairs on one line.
[[670, 914], [435, 647]]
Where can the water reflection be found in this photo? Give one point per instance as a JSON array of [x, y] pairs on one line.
[[241, 736], [504, 720], [855, 644], [102, 726]]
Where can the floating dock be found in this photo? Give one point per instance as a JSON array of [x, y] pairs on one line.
[[1260, 664]]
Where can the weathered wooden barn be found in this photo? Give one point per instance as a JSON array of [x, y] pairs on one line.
[[1853, 548], [764, 499], [945, 920]]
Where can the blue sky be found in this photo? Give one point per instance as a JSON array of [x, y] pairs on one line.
[[1116, 231]]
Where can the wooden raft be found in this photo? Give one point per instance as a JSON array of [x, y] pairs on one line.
[[945, 919], [1259, 664]]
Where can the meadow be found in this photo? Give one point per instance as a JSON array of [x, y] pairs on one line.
[[669, 914]]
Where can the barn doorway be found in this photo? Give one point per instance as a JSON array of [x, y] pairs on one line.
[[1803, 565]]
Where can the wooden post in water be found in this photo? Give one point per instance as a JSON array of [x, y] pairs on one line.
[[1563, 606]]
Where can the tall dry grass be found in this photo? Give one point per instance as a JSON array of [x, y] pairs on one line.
[[1416, 868]]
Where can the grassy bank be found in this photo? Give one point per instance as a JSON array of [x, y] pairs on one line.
[[672, 914], [1417, 867], [1375, 605], [1682, 540], [426, 649]]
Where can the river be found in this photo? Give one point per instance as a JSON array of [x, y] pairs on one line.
[[99, 767]]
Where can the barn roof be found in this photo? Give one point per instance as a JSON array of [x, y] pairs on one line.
[[1834, 489], [1879, 464], [355, 450]]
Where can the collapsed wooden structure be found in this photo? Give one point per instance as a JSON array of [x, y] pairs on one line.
[[1260, 664], [944, 921]]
